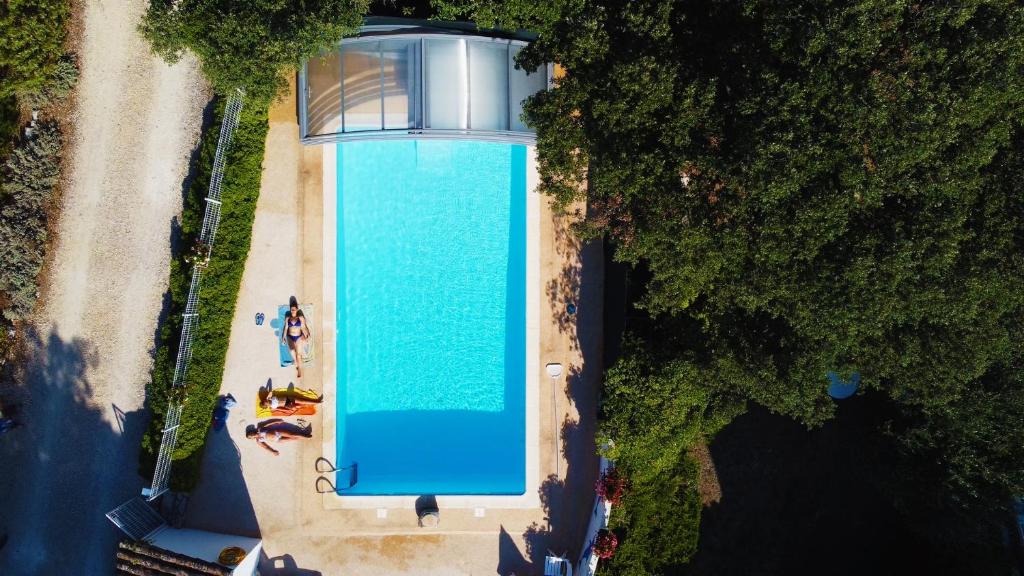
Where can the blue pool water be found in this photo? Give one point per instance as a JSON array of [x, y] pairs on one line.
[[431, 343]]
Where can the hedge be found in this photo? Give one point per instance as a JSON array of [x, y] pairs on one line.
[[219, 292]]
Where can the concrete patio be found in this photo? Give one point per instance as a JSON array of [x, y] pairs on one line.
[[246, 490]]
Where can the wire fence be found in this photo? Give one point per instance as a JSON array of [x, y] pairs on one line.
[[190, 318]]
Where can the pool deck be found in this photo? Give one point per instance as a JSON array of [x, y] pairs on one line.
[[246, 490]]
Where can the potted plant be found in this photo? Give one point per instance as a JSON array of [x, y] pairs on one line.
[[612, 485], [605, 544]]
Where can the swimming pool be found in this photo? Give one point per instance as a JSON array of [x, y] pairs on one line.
[[431, 317]]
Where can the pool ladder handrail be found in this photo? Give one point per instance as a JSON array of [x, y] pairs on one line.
[[332, 469]]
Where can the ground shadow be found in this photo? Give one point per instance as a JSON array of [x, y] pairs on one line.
[[510, 558], [283, 565], [220, 501], [567, 498], [69, 462], [566, 503], [175, 233], [564, 290], [799, 502]]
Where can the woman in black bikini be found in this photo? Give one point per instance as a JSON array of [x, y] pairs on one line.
[[276, 430], [294, 333]]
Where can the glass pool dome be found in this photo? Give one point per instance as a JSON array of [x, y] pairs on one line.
[[412, 79]]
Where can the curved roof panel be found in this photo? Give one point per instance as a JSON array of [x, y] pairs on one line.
[[411, 83]]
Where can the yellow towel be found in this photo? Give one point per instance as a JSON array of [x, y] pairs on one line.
[[284, 394]]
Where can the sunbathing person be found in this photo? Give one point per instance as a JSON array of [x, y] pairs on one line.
[[294, 333], [274, 431], [268, 399]]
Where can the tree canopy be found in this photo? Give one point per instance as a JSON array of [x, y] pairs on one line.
[[815, 186], [251, 44]]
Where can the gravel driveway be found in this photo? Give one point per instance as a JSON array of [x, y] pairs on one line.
[[136, 123]]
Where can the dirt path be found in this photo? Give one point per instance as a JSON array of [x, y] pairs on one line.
[[135, 124]]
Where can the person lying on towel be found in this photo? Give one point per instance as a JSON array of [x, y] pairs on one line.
[[275, 402], [286, 402]]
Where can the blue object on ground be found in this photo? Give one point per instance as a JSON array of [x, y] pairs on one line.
[[841, 390], [282, 346], [259, 318], [571, 309]]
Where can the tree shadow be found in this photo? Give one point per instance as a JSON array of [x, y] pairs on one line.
[[566, 502], [220, 501], [799, 502], [564, 289], [175, 234], [71, 461], [283, 565], [510, 558], [567, 498]]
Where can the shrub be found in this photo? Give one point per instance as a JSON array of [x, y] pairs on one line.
[[612, 485], [657, 523], [220, 285], [33, 41], [54, 87], [30, 176], [605, 544], [9, 124]]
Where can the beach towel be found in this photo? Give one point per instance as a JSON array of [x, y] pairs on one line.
[[307, 348], [283, 394]]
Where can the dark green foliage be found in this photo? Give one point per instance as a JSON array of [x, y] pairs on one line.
[[509, 14], [250, 45], [816, 186], [658, 522], [30, 174], [62, 78], [220, 284], [33, 33], [8, 123], [838, 158], [652, 412]]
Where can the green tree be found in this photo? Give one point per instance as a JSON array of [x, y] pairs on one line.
[[250, 45], [653, 410], [820, 184]]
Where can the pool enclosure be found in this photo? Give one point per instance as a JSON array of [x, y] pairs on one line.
[[403, 79]]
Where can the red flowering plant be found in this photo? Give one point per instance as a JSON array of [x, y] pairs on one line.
[[612, 485], [605, 544]]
